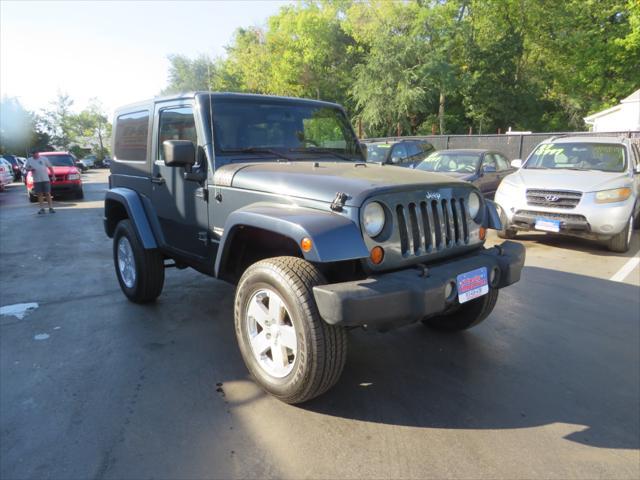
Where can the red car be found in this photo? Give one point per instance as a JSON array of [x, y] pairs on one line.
[[66, 177]]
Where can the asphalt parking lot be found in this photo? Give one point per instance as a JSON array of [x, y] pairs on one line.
[[92, 386]]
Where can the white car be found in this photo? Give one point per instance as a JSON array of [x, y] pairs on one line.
[[6, 173], [582, 186]]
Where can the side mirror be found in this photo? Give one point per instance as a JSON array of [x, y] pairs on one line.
[[489, 169], [395, 159], [637, 169], [517, 163], [179, 153]]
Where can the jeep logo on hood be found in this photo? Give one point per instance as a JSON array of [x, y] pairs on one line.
[[433, 195]]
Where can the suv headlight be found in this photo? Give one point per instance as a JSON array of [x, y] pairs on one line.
[[373, 219], [473, 204], [614, 195]]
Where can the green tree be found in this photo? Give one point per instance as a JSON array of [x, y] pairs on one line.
[[57, 121], [186, 75], [91, 127], [19, 131]]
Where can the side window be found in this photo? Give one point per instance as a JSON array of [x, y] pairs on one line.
[[176, 124], [636, 150], [399, 150], [426, 148], [413, 150], [503, 163], [130, 142], [489, 161]]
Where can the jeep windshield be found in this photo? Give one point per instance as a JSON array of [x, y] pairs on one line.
[[605, 157], [289, 130]]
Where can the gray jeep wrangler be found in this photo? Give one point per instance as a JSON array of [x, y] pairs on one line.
[[274, 195]]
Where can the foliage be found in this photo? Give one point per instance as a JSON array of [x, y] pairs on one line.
[[19, 130], [58, 127], [445, 65]]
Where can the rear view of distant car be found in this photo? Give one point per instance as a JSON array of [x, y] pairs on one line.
[[6, 173]]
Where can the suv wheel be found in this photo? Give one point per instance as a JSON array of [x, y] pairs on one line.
[[621, 242], [290, 351], [466, 315], [140, 272]]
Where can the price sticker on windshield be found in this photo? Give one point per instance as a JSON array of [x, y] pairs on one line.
[[472, 284]]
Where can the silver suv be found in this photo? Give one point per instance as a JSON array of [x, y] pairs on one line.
[[583, 186]]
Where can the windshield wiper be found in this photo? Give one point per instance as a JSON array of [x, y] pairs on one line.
[[261, 150], [321, 150]]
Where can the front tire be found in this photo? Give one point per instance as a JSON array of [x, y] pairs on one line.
[[621, 242], [140, 272], [291, 352], [466, 315], [79, 194]]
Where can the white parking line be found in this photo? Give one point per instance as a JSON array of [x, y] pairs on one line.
[[627, 268]]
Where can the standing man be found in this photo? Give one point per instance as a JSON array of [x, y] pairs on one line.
[[41, 170]]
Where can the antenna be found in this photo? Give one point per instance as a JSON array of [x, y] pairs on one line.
[[213, 153]]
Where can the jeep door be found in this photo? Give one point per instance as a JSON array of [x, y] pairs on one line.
[[180, 204]]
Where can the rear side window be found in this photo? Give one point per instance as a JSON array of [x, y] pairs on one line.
[[503, 163], [176, 124], [131, 136]]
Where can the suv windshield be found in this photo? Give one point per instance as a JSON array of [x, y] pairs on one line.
[[60, 160], [450, 162], [256, 126], [605, 157]]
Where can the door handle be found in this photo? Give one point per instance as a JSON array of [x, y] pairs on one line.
[[158, 180]]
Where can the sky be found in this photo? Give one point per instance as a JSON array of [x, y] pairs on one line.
[[114, 51]]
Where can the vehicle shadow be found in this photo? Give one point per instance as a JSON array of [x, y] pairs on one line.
[[579, 244], [552, 352]]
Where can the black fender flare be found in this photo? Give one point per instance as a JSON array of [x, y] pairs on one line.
[[132, 203]]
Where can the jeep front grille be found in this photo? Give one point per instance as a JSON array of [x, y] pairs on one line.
[[431, 225], [553, 198]]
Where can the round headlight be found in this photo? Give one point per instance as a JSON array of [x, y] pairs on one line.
[[474, 204], [373, 219]]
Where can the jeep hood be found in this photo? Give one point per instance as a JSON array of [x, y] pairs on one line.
[[322, 180], [580, 181]]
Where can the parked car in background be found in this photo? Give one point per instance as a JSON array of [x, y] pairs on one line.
[[88, 162], [6, 173], [583, 186], [403, 153], [16, 172], [484, 168], [66, 177]]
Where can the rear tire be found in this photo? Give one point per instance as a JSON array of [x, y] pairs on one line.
[[621, 242], [306, 367], [466, 315], [32, 198], [140, 272]]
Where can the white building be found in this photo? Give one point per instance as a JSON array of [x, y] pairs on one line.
[[621, 118]]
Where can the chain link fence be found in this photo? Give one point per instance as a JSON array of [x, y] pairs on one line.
[[516, 145]]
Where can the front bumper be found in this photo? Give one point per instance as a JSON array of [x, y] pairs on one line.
[[392, 299], [588, 219]]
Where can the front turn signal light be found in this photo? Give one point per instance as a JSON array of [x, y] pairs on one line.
[[377, 255], [306, 244]]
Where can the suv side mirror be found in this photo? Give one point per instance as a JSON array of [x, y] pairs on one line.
[[489, 169], [637, 169], [517, 163], [395, 159], [179, 153]]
